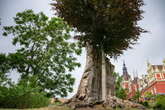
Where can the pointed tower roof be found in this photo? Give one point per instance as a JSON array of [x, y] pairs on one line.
[[125, 75]]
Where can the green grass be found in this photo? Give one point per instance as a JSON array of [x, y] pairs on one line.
[[53, 107]]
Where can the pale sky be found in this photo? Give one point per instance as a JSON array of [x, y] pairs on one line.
[[151, 46]]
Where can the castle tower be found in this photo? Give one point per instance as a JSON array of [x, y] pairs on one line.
[[125, 75], [126, 78]]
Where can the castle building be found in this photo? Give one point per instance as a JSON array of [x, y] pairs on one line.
[[154, 81], [130, 85]]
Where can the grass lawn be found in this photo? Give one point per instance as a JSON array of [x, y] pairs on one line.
[[44, 108]]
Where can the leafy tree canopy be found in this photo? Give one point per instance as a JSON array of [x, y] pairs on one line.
[[4, 68], [108, 23], [45, 51]]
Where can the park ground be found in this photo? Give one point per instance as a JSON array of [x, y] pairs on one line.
[[57, 107]]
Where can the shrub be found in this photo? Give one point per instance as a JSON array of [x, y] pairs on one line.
[[32, 100], [22, 97], [160, 103], [145, 103]]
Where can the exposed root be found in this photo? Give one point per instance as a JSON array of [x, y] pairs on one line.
[[112, 102]]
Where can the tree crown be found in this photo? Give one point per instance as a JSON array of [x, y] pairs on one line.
[[44, 51], [111, 24]]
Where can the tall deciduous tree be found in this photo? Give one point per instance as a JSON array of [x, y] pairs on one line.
[[108, 23], [106, 26], [45, 51]]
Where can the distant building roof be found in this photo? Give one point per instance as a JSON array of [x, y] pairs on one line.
[[159, 67]]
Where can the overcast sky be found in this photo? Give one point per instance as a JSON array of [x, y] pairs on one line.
[[151, 46]]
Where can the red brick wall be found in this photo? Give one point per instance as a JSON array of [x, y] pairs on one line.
[[160, 87], [126, 85], [150, 89], [134, 89], [156, 88], [160, 76], [164, 75]]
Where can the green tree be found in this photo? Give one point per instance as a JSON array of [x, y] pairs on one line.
[[120, 92], [159, 103], [22, 95], [45, 51], [111, 24], [4, 68], [149, 96], [137, 95], [107, 28]]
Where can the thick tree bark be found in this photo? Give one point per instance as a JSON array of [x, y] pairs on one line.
[[93, 82], [104, 79], [90, 86]]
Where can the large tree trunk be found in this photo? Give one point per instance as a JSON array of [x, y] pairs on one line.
[[90, 86], [97, 78], [93, 82]]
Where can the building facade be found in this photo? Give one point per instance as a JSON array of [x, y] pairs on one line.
[[153, 82], [130, 85]]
